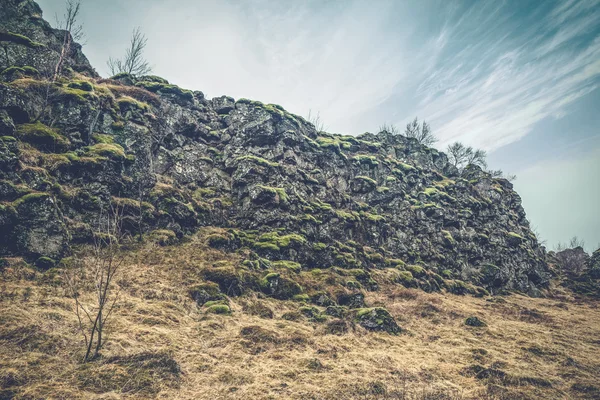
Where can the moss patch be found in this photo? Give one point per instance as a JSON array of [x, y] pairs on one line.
[[42, 136]]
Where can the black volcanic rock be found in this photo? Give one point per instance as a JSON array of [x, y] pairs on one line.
[[173, 160]]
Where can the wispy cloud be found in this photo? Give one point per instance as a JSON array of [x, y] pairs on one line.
[[483, 72], [507, 77]]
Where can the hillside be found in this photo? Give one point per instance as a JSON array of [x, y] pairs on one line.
[[259, 257]]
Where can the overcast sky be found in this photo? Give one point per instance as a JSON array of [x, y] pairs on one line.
[[518, 78]]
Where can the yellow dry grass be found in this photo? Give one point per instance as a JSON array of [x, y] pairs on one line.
[[531, 348]]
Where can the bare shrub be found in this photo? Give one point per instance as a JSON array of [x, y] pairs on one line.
[[133, 62], [96, 273], [421, 132]]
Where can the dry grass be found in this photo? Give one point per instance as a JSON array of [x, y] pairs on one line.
[[163, 346]]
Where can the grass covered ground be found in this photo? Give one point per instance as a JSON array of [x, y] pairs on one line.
[[162, 345]]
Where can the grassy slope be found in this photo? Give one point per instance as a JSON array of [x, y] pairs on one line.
[[532, 348]]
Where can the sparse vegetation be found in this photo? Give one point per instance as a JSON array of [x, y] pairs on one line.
[[133, 63]]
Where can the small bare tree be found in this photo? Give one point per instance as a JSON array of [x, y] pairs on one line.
[[389, 128], [316, 120], [421, 132], [498, 173], [73, 31], [134, 62], [97, 273], [460, 156]]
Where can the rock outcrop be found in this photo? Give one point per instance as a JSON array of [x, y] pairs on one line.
[[173, 161]]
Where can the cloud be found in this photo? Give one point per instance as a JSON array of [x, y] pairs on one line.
[[482, 72], [496, 88]]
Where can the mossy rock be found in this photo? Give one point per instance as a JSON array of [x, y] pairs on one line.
[[281, 288], [19, 39], [45, 263], [163, 237], [416, 270], [514, 239], [351, 300], [406, 279], [15, 72], [164, 88], [322, 299], [458, 287], [475, 322], [206, 292], [337, 311], [377, 319], [229, 281], [313, 314], [219, 240], [113, 151], [81, 85], [287, 265], [42, 137], [221, 309]]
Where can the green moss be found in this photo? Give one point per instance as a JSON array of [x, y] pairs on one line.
[[447, 273], [13, 71], [122, 75], [117, 125], [219, 240], [430, 192], [515, 235], [280, 192], [266, 246], [29, 197], [279, 242], [365, 160], [310, 218], [163, 237], [448, 237], [419, 206], [352, 216], [81, 85], [391, 179], [162, 88], [258, 160], [19, 39], [244, 101], [405, 278], [219, 309], [405, 167], [114, 151], [279, 287], [415, 270], [301, 298], [101, 138], [126, 102], [154, 78], [286, 264], [321, 206], [7, 139], [371, 217], [132, 204], [395, 262], [382, 189], [319, 246], [43, 136], [363, 178]]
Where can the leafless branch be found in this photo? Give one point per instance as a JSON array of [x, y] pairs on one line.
[[134, 62]]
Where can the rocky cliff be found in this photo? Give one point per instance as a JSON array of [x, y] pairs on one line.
[[173, 160]]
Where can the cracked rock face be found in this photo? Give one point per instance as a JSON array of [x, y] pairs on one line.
[[174, 160]]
